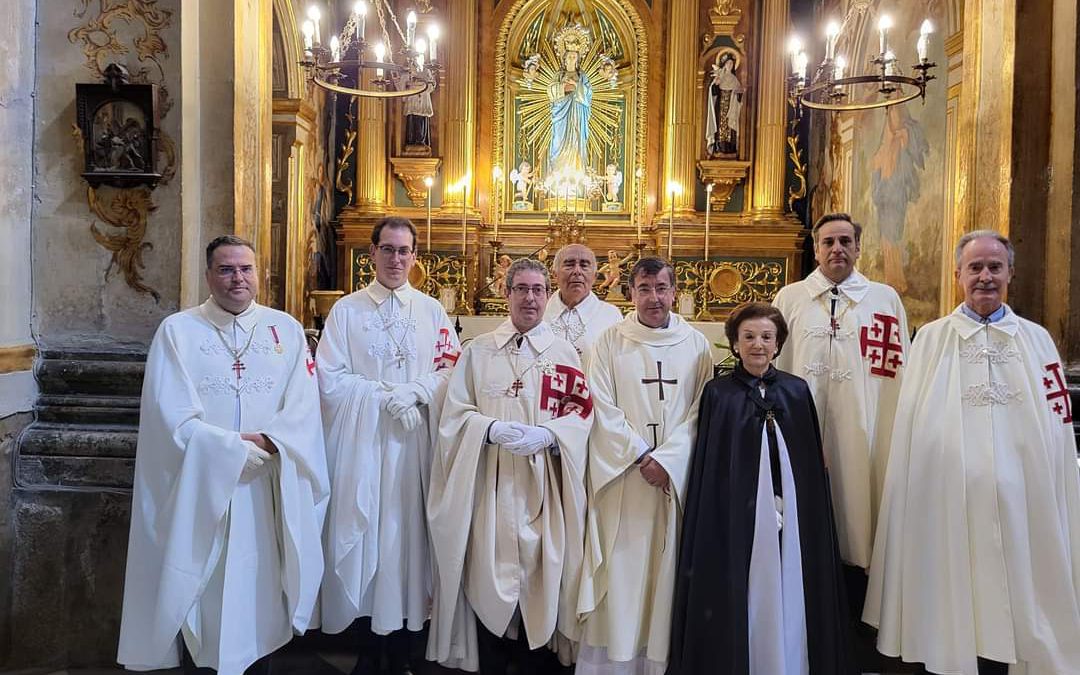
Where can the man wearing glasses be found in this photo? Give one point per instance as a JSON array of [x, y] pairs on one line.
[[384, 358], [507, 500], [224, 561]]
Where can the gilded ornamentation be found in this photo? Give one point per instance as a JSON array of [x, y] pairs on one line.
[[795, 155], [127, 210], [724, 18], [640, 81], [724, 284], [431, 273], [343, 182], [725, 175], [412, 171]]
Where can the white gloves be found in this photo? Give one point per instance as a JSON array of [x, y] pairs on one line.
[[256, 457], [503, 432], [409, 418], [533, 439], [401, 400]]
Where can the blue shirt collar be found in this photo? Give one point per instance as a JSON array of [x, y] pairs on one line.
[[997, 315]]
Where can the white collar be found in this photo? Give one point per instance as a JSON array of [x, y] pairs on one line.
[[223, 319], [966, 326], [540, 337], [380, 293], [854, 287], [677, 330], [585, 304]]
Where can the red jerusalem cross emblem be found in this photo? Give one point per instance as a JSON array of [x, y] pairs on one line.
[[880, 342], [445, 354], [565, 392], [1057, 394]]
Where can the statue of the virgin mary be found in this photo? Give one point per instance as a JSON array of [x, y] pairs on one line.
[[571, 104]]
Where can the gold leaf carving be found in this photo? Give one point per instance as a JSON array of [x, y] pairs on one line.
[[127, 210], [342, 181]]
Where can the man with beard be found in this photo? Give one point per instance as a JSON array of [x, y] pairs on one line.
[[575, 313], [507, 501], [977, 556]]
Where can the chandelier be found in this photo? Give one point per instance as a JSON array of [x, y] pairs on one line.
[[340, 64], [830, 89]]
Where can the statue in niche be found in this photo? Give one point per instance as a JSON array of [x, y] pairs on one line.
[[418, 113], [724, 108], [571, 104], [612, 183]]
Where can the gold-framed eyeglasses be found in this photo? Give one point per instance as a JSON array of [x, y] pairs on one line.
[[523, 291]]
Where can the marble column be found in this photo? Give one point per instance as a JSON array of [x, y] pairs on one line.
[[459, 100], [680, 141], [767, 197]]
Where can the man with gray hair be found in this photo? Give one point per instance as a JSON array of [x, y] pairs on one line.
[[976, 559], [575, 313], [506, 506]]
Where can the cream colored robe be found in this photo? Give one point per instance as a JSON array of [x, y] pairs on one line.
[[633, 528], [581, 324], [377, 555], [507, 530], [855, 389], [978, 544]]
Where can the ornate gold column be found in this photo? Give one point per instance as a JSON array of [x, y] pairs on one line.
[[458, 100], [680, 142], [371, 158], [767, 197], [985, 121]]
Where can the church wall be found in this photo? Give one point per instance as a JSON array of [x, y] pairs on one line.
[[890, 163], [83, 291]]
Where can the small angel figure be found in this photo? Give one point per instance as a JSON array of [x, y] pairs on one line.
[[612, 273], [498, 275], [529, 70], [522, 178], [608, 71], [613, 180]]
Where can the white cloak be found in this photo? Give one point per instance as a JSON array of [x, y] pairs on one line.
[[581, 324], [377, 558], [506, 530], [978, 545], [855, 388], [632, 532], [234, 564]]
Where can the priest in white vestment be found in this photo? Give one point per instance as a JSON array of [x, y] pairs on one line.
[[849, 340], [646, 374], [383, 358], [977, 557], [230, 492], [507, 500], [575, 313]]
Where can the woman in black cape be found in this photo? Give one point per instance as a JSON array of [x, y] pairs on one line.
[[711, 626]]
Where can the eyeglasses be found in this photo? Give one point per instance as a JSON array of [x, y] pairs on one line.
[[389, 251], [522, 291], [226, 271]]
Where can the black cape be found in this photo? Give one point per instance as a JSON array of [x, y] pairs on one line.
[[709, 617]]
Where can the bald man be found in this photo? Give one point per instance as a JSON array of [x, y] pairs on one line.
[[575, 313]]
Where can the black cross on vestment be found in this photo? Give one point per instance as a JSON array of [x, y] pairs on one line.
[[659, 380]]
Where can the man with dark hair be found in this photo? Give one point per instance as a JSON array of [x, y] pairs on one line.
[[224, 556], [384, 358], [575, 313], [977, 559], [849, 341], [646, 374], [507, 498]]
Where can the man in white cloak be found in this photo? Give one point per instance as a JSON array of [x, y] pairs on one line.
[[646, 374], [224, 554], [976, 560], [384, 358], [507, 499], [575, 313], [848, 340]]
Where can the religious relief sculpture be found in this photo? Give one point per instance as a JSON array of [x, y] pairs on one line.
[[724, 110], [611, 271], [418, 113], [522, 179]]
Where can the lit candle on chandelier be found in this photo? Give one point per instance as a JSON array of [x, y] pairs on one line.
[[883, 25], [380, 54], [421, 52], [360, 17], [922, 45], [838, 68], [410, 28], [832, 31], [308, 29], [335, 49], [433, 38], [313, 15], [795, 48]]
